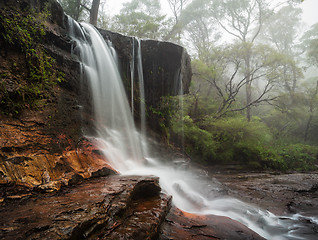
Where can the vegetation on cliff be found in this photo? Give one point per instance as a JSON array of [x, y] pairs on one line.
[[28, 72]]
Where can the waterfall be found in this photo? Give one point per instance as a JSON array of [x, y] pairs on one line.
[[121, 143], [113, 121], [142, 100], [132, 75]]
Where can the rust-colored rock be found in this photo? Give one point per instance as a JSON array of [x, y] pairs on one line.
[[182, 225], [26, 157], [102, 208]]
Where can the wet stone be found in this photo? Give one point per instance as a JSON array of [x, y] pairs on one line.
[[183, 225], [98, 208]]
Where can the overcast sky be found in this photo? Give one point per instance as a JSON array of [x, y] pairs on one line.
[[310, 9]]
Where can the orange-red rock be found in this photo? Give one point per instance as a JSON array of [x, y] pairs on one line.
[[183, 225], [26, 158]]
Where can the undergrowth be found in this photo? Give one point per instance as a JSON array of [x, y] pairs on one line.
[[234, 141], [35, 74]]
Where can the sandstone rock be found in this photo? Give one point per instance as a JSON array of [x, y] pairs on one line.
[[182, 225], [166, 70], [27, 157], [279, 193], [103, 208], [53, 186]]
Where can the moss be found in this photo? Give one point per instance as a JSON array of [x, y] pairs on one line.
[[35, 75]]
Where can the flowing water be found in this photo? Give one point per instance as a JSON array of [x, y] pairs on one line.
[[123, 145]]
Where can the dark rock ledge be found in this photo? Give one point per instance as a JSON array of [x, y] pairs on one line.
[[116, 207]]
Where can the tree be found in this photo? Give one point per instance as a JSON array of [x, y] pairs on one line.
[[284, 40], [312, 102], [310, 41], [186, 15], [75, 9], [177, 7], [225, 72], [202, 33], [140, 18], [94, 12], [310, 44], [242, 19]]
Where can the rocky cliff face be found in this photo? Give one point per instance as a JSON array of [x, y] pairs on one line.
[[48, 138], [41, 144], [166, 70]]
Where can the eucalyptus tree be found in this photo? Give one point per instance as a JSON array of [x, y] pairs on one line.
[[284, 39], [190, 11], [310, 43], [74, 8], [177, 7], [295, 113], [225, 72], [141, 18], [243, 20], [78, 9]]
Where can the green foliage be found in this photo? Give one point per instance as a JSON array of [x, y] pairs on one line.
[[141, 18], [232, 140], [23, 32], [75, 8], [199, 143], [164, 114], [299, 156], [239, 140]]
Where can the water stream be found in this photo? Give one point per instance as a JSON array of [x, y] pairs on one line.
[[123, 145]]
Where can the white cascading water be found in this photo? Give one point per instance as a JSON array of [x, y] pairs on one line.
[[132, 76], [122, 146]]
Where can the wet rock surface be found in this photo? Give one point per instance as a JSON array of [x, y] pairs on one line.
[[166, 70], [278, 193], [182, 225], [34, 158], [117, 207]]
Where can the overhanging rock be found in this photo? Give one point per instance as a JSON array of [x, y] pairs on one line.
[[166, 68]]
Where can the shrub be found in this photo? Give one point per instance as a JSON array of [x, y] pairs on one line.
[[198, 142], [299, 157]]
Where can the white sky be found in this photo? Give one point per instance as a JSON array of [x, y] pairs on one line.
[[310, 9], [115, 5]]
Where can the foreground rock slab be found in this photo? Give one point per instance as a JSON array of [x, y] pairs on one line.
[[182, 225], [279, 193], [116, 207]]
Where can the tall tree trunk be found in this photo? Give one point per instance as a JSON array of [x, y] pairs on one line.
[[77, 12], [307, 127], [248, 88], [311, 109], [94, 12]]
